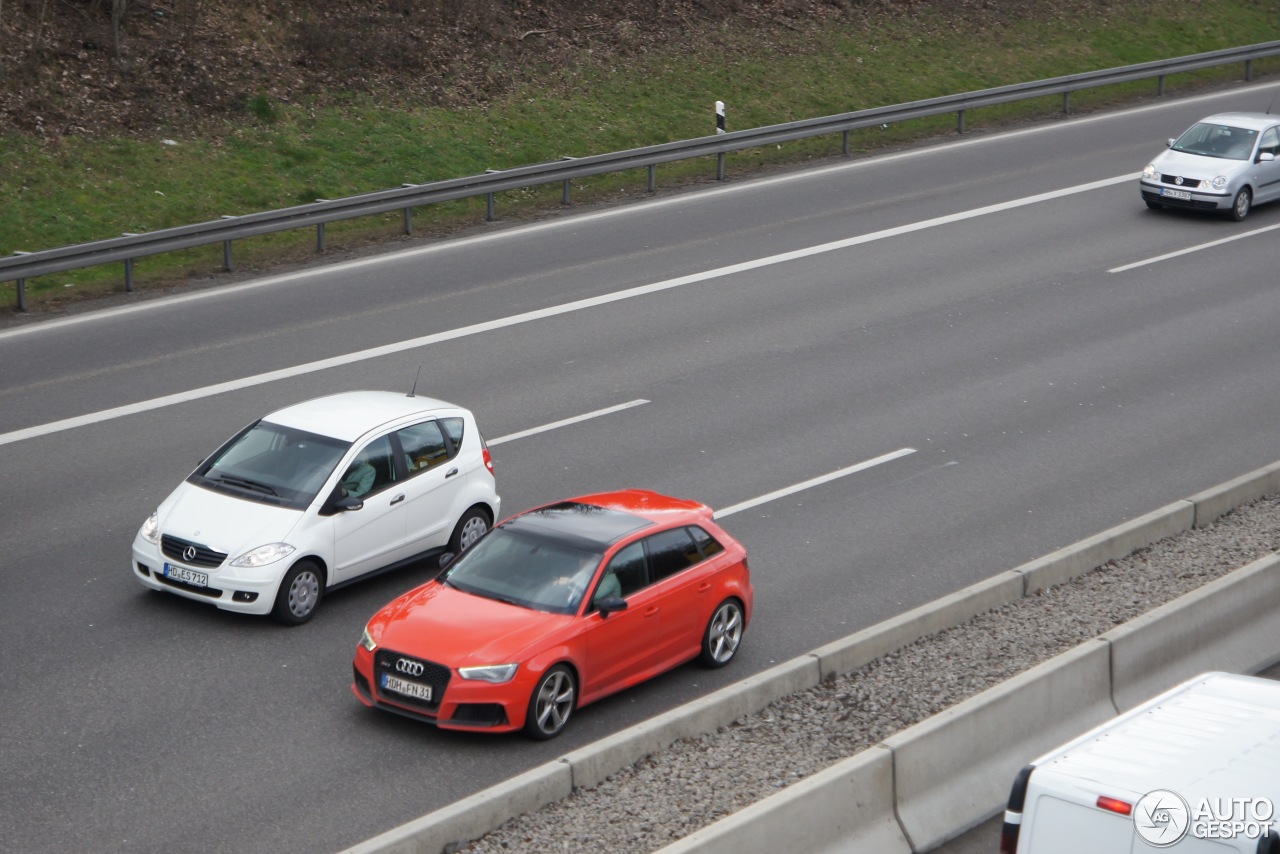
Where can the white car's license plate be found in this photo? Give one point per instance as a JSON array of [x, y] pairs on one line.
[[404, 686], [190, 576], [1175, 194]]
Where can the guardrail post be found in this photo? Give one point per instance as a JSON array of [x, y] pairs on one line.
[[22, 288], [226, 249], [720, 166], [128, 268], [320, 231], [564, 196], [653, 178], [488, 207], [1066, 102], [845, 147], [959, 121], [408, 214], [1160, 86], [1248, 70]]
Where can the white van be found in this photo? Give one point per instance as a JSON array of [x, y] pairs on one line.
[[1194, 771]]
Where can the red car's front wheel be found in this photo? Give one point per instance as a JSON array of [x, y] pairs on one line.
[[552, 703]]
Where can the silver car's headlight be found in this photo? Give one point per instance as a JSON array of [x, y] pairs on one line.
[[495, 673], [263, 555], [1220, 183], [1149, 172], [150, 529], [367, 641]]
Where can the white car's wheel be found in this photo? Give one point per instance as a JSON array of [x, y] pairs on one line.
[[299, 594], [473, 525]]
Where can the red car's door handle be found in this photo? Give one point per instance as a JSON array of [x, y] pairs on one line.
[[650, 612], [704, 587]]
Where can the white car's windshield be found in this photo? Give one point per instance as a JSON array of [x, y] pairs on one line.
[[273, 465], [526, 570], [1213, 140]]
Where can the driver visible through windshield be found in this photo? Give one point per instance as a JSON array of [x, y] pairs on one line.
[[526, 570], [272, 464]]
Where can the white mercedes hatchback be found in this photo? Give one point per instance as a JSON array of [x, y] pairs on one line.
[[318, 495]]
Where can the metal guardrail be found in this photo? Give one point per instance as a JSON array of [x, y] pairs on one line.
[[127, 248]]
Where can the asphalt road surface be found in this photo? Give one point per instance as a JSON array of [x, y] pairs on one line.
[[1002, 306]]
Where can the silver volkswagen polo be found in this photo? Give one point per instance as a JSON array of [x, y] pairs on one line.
[[1226, 162]]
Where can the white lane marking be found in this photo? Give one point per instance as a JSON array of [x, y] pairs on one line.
[[544, 313], [565, 422], [826, 478], [1212, 243]]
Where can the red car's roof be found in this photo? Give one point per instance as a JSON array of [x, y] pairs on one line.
[[646, 504]]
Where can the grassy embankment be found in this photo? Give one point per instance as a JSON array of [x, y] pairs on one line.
[[76, 190]]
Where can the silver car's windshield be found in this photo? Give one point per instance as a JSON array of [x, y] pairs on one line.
[[527, 570], [272, 464], [1213, 140]]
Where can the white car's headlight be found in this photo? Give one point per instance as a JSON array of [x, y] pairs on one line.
[[495, 673], [367, 641], [263, 555], [1220, 182], [1149, 172], [150, 529]]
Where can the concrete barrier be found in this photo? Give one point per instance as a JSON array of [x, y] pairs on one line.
[[1217, 500], [471, 818], [952, 771], [844, 809], [1112, 544], [859, 648], [592, 764], [1232, 623]]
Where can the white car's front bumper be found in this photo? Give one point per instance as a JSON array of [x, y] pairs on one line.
[[241, 590]]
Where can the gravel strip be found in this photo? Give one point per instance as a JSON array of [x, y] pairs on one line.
[[670, 794]]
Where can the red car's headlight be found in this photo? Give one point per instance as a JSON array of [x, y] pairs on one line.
[[495, 673]]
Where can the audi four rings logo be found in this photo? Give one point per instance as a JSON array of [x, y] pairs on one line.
[[409, 667], [189, 554]]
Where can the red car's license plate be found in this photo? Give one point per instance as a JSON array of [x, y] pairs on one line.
[[404, 686]]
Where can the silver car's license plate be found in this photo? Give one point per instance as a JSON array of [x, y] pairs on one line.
[[404, 686], [189, 576], [1175, 194]]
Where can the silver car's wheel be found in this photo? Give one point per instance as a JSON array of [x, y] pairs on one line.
[[299, 595], [723, 636], [551, 704], [1242, 205]]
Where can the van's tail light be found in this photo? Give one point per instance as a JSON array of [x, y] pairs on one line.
[[1013, 815], [1115, 805], [488, 461], [1009, 836]]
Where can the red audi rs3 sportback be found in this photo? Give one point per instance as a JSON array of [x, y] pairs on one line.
[[555, 608]]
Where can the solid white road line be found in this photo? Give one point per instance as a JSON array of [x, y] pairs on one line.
[[544, 313], [566, 422], [1242, 235], [800, 487]]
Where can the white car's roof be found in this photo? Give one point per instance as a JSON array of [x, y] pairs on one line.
[[350, 415], [1251, 121]]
